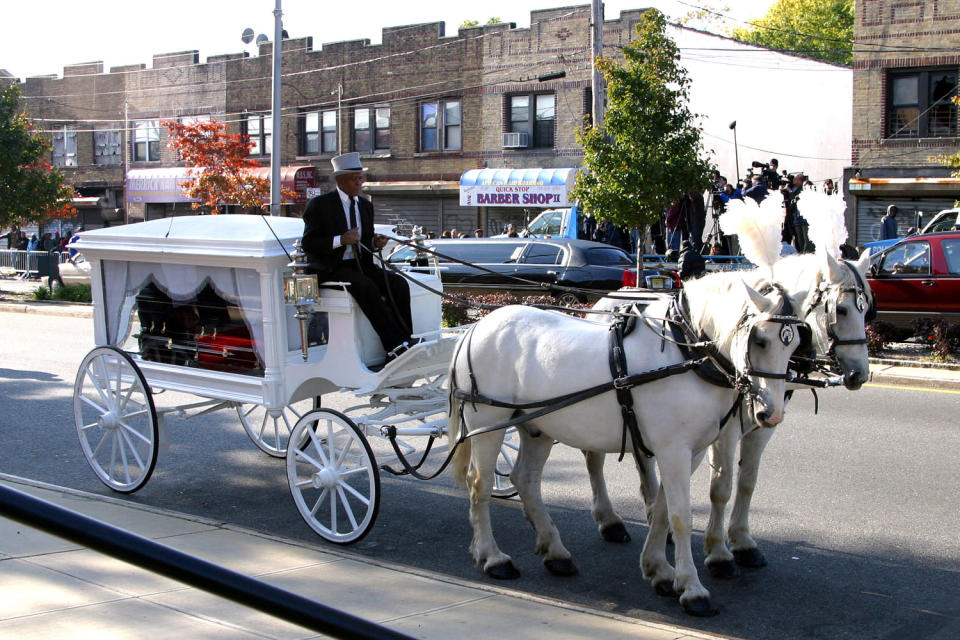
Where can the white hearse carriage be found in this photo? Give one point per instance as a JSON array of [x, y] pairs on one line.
[[211, 306]]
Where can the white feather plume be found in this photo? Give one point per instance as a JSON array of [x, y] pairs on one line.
[[824, 214], [757, 228]]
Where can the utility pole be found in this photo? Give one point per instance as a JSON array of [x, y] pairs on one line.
[[596, 50], [276, 137], [339, 92]]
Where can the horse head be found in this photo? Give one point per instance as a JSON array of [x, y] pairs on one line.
[[764, 342], [837, 309]]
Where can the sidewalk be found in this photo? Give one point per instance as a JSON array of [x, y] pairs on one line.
[[54, 589]]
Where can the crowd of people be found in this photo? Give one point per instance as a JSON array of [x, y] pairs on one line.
[[17, 239]]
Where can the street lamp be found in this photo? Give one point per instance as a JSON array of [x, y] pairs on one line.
[[736, 155]]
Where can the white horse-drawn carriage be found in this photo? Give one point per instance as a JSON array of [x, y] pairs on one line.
[[209, 306]]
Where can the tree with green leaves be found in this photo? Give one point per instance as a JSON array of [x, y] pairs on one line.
[[30, 189], [647, 152], [818, 29]]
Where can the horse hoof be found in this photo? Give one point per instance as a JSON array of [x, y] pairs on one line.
[[665, 589], [750, 558], [723, 569], [561, 567], [615, 532], [700, 607], [503, 571]]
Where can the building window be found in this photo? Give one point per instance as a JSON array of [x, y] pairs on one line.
[[259, 128], [65, 147], [371, 129], [920, 104], [319, 133], [440, 126], [106, 147], [534, 114], [146, 141]]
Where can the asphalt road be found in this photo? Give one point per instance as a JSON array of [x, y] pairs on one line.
[[857, 508]]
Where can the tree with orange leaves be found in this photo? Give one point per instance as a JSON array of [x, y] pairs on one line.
[[219, 166], [30, 189]]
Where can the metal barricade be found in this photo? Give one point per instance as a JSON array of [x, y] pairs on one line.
[[29, 263]]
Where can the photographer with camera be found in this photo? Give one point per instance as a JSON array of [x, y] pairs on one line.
[[769, 173], [795, 226]]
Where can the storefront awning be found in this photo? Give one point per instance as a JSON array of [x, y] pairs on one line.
[[884, 186], [517, 187], [87, 202], [164, 184]]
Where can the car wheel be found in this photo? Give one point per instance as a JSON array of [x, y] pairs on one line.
[[569, 299]]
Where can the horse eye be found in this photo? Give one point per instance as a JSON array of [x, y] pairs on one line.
[[842, 311], [762, 343]]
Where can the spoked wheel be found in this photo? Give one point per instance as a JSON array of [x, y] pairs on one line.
[[116, 420], [333, 476], [502, 485], [270, 428]]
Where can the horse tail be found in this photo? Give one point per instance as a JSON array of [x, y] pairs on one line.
[[460, 461]]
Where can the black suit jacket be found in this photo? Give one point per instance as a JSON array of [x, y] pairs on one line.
[[324, 219]]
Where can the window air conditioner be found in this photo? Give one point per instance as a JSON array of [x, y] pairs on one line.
[[516, 140]]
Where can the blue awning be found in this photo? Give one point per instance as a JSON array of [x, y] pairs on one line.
[[517, 187]]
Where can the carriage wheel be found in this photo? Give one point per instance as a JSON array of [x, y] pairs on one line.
[[502, 486], [116, 420], [270, 428], [333, 476]]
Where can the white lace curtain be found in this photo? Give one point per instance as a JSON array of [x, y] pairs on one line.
[[182, 282]]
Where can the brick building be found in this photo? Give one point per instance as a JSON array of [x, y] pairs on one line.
[[904, 75], [421, 107]]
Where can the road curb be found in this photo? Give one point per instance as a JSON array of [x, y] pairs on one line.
[[48, 308]]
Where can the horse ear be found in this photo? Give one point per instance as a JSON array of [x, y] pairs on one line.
[[863, 263], [833, 268], [756, 300]]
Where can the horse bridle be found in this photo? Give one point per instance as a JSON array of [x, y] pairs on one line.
[[788, 319], [831, 302]]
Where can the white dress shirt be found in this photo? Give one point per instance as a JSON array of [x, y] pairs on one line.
[[345, 201]]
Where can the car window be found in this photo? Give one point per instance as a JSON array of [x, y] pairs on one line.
[[908, 258], [608, 256], [547, 224], [403, 254], [951, 251], [945, 223], [541, 253]]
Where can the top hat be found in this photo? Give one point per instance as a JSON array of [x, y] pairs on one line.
[[347, 163]]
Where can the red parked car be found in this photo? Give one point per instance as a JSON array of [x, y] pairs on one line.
[[918, 276]]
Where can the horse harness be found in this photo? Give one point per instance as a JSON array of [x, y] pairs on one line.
[[831, 303], [711, 366]]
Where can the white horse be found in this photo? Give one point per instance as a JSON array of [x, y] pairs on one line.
[[833, 301], [521, 355]]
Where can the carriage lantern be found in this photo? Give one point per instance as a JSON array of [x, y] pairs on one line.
[[300, 289]]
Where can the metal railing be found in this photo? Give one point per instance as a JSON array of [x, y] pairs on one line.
[[27, 261], [147, 554]]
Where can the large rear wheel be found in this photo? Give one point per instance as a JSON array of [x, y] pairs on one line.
[[116, 420], [333, 476], [502, 485]]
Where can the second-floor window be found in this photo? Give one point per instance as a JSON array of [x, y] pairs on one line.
[[146, 141], [371, 129], [259, 128], [106, 147], [65, 147], [534, 114], [920, 105], [440, 126], [319, 133]]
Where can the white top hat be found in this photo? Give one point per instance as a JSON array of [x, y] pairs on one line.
[[347, 163]]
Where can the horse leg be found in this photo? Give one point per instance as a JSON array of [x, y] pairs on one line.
[[719, 561], [675, 468], [526, 477], [653, 559], [483, 460], [610, 524], [744, 547]]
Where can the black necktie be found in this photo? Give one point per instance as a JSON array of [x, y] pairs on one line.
[[353, 225]]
